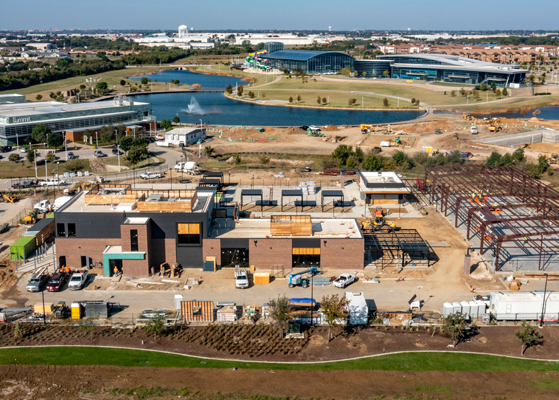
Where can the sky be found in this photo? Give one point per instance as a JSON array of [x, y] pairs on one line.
[[285, 14]]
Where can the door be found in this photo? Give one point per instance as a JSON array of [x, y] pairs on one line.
[[84, 261], [62, 261], [115, 264]]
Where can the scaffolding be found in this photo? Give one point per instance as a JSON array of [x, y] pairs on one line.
[[507, 210]]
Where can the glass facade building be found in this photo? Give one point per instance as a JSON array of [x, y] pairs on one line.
[[272, 47], [17, 120], [312, 62]]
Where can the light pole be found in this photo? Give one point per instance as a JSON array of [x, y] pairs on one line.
[[17, 145], [543, 302], [65, 146], [35, 158], [118, 151], [97, 140], [419, 296]]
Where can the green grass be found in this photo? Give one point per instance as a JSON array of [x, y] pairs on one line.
[[9, 169], [545, 382], [413, 361], [124, 162]]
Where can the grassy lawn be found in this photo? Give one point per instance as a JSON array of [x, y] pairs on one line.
[[112, 78], [9, 169], [535, 101], [259, 79], [124, 162], [134, 358], [425, 95], [337, 99]]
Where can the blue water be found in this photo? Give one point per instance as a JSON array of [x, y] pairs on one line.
[[207, 81], [549, 112], [216, 109]]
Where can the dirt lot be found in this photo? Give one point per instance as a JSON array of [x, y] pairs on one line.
[[100, 382]]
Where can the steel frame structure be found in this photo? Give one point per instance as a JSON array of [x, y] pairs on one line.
[[396, 245], [502, 204]]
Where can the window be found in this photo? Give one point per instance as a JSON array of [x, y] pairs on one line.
[[60, 231], [306, 257], [231, 257], [71, 230], [133, 240], [188, 234]]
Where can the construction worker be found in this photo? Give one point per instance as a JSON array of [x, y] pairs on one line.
[[68, 270], [115, 271]]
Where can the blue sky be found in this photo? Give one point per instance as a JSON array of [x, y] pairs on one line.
[[280, 14]]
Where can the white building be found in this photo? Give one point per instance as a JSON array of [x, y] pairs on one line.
[[288, 40], [184, 136]]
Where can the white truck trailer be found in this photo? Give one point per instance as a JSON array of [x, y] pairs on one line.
[[518, 306]]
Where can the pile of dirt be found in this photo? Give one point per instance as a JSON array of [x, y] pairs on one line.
[[294, 130], [331, 128], [97, 165], [7, 276]]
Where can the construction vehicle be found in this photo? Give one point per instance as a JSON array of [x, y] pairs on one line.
[[378, 222], [190, 167], [366, 128], [297, 278], [438, 132], [473, 130], [60, 310], [8, 198], [30, 217], [423, 211], [468, 117]]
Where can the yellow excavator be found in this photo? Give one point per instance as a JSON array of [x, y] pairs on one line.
[[378, 223], [30, 217]]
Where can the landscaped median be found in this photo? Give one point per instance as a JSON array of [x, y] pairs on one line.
[[404, 361]]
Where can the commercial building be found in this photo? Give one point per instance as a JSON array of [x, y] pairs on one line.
[[312, 62], [12, 98], [382, 188], [138, 229], [453, 69], [184, 136], [18, 119]]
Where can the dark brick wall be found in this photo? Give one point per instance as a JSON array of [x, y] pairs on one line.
[[342, 253], [270, 252], [212, 248]]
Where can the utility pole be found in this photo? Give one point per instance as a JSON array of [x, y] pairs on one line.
[[35, 154]]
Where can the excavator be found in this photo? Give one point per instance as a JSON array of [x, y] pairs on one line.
[[378, 223], [30, 217], [494, 125]]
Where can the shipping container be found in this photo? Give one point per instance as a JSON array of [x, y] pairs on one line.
[[23, 248], [519, 306]]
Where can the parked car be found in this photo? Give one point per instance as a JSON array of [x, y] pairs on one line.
[[99, 153], [71, 155], [23, 185], [37, 283], [116, 151], [306, 169], [150, 175], [5, 149], [78, 280], [24, 150], [150, 139], [344, 280], [56, 281]]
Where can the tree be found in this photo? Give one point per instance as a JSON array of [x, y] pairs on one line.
[[280, 311], [40, 132], [342, 153], [251, 95], [156, 325], [18, 330], [290, 99], [452, 93], [494, 159], [372, 163], [176, 119], [144, 81], [364, 74], [358, 154], [351, 162], [400, 158], [122, 82], [505, 92], [263, 95], [483, 87], [237, 159], [493, 86], [413, 100], [125, 143], [462, 92], [518, 155], [385, 102], [456, 326], [102, 86], [82, 87], [542, 164], [107, 135], [375, 73], [209, 150], [498, 92], [386, 73], [13, 157], [324, 100], [30, 155], [166, 124], [528, 336], [318, 100], [334, 311], [55, 140], [229, 89], [50, 157], [298, 98], [38, 97], [136, 154]]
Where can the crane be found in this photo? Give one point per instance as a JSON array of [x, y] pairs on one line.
[[296, 279]]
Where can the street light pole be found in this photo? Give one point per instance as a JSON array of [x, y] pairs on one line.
[[543, 302], [65, 146], [97, 140], [419, 296], [35, 158]]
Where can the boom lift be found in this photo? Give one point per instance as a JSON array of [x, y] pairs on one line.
[[297, 278]]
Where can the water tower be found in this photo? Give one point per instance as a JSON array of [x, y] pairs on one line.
[[183, 31]]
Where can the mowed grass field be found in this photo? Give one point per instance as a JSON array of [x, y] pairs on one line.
[[413, 361]]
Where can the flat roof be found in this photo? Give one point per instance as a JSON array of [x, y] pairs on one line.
[[332, 193], [183, 131], [260, 228], [54, 107], [299, 55], [383, 182]]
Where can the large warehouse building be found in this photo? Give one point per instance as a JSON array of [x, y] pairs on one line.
[[312, 62], [18, 119]]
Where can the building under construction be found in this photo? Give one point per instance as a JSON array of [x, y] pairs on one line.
[[511, 217]]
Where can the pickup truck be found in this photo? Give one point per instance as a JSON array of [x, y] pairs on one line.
[[241, 279], [151, 175], [78, 280], [37, 283], [56, 281], [53, 182]]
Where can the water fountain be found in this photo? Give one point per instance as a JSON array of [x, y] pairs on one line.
[[194, 107]]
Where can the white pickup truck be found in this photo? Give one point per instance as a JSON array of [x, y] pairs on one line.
[[241, 279], [53, 182], [78, 280]]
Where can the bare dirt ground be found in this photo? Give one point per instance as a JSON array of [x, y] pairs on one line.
[[100, 382]]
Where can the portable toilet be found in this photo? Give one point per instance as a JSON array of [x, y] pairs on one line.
[[178, 300], [456, 307], [481, 307], [447, 309], [465, 308], [474, 312], [76, 309]]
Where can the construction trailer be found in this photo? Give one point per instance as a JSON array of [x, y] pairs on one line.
[[529, 306], [357, 308], [504, 212]]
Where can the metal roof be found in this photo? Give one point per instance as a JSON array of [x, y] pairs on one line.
[[209, 174], [332, 193], [300, 55], [251, 192], [291, 192]]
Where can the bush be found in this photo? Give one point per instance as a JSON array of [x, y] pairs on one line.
[[13, 157], [75, 165], [385, 102], [372, 163]]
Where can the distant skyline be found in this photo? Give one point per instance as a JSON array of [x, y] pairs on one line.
[[285, 15]]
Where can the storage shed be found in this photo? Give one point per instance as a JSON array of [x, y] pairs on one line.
[[357, 308]]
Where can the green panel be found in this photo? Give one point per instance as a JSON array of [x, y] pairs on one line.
[[51, 215], [119, 256], [25, 246]]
